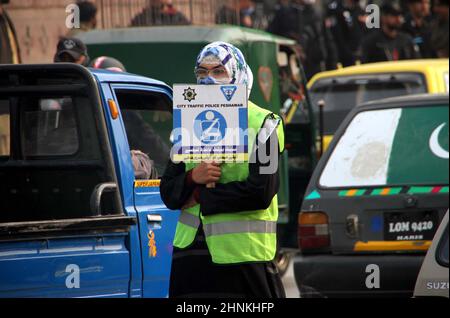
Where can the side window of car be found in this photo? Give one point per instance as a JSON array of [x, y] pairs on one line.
[[442, 251], [148, 122]]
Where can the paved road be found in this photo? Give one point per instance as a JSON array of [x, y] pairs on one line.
[[290, 286]]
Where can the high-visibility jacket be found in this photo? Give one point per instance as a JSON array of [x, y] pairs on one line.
[[248, 236]]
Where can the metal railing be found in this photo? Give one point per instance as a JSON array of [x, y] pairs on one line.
[[124, 13]]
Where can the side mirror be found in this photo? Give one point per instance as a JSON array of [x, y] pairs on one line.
[[97, 194]]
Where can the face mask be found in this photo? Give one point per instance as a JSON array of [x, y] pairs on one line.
[[212, 81]]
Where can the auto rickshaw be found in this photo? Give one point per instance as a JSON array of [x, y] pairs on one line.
[[169, 53]]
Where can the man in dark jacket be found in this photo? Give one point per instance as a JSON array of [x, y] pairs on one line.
[[300, 21], [439, 29], [346, 19], [417, 25], [389, 43]]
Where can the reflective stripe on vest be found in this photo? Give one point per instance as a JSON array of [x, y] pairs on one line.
[[236, 227], [189, 219]]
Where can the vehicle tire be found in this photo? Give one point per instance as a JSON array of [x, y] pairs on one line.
[[283, 260]]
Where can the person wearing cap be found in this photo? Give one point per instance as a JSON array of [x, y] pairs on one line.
[[389, 43], [225, 241], [71, 50]]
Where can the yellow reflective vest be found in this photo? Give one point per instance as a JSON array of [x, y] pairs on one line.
[[247, 236]]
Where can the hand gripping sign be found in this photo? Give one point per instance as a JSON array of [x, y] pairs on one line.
[[210, 123]]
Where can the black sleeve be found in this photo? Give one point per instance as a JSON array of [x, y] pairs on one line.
[[412, 49], [255, 193], [174, 189], [366, 51]]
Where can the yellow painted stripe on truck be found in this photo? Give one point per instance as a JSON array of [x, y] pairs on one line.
[[375, 246], [147, 184]]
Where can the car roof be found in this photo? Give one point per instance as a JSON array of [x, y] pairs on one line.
[[384, 67], [406, 101], [118, 77], [100, 75], [181, 34]]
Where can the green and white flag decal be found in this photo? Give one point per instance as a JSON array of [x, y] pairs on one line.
[[402, 146]]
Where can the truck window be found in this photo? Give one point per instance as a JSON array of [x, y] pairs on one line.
[[55, 158], [50, 128], [148, 122], [398, 146], [341, 95], [4, 128]]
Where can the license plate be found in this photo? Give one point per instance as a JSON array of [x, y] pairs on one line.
[[410, 226]]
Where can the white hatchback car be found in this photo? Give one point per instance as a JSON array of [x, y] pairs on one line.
[[433, 277]]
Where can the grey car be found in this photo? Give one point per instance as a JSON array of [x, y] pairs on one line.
[[376, 200]]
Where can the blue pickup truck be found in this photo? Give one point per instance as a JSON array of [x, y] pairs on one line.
[[74, 219]]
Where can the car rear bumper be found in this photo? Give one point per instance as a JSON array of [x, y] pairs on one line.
[[357, 275]]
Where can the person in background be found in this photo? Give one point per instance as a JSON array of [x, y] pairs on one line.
[[160, 12], [389, 43], [417, 25], [300, 21], [250, 15], [71, 50], [439, 29], [108, 63], [347, 22], [88, 18]]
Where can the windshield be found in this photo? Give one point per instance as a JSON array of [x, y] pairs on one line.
[[399, 146], [341, 95]]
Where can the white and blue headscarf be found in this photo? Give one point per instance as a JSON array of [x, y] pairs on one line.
[[232, 59]]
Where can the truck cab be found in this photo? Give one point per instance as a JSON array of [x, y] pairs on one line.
[[74, 219]]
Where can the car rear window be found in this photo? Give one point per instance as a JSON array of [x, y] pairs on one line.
[[397, 146], [341, 95]]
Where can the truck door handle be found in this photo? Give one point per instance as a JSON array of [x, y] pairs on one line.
[[154, 218]]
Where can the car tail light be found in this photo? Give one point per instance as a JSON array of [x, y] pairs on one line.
[[313, 231]]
